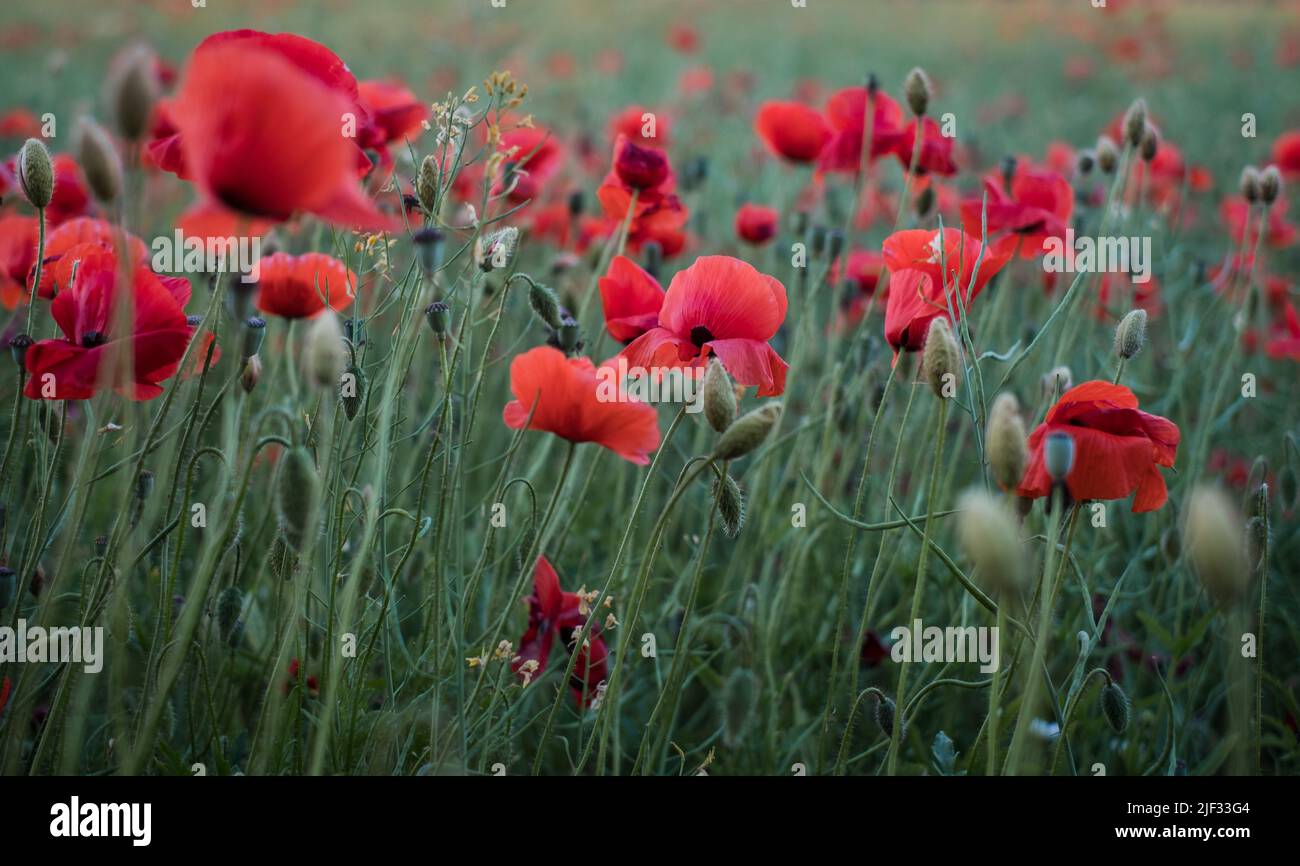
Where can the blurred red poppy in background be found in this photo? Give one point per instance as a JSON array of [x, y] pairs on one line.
[[792, 130], [756, 223], [554, 613], [1286, 153], [1118, 449], [1037, 206], [561, 394], [18, 238], [395, 111], [847, 113], [299, 287]]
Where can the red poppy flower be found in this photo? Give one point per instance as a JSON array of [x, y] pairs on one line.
[[394, 110], [631, 298], [639, 167], [18, 240], [756, 224], [61, 247], [862, 271], [659, 215], [1117, 447], [562, 395], [263, 135], [847, 113], [935, 155], [538, 157], [1241, 217], [1284, 336], [1038, 206], [85, 313], [723, 306], [631, 121], [19, 123], [917, 283], [313, 686], [1286, 153], [554, 613], [299, 287], [792, 130]]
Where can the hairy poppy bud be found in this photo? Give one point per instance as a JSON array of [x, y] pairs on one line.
[[428, 250], [325, 354], [719, 396], [8, 580], [496, 250], [352, 390], [1270, 184], [1107, 154], [1058, 378], [545, 304], [229, 605], [426, 184], [254, 334], [1131, 334], [1249, 184], [439, 316], [640, 167], [1114, 706], [297, 496], [144, 485], [1135, 122], [1212, 536], [917, 90], [941, 359], [1150, 144], [36, 173], [99, 160], [748, 432], [132, 91], [885, 713], [1058, 455], [739, 705], [987, 532], [18, 347], [731, 505], [251, 374], [1004, 442]]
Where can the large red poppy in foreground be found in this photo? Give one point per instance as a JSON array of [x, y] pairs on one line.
[[569, 405], [1118, 449], [721, 306], [554, 613], [71, 367]]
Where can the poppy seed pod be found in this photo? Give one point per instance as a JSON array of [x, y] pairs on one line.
[[1004, 442], [1213, 535], [99, 160], [739, 703], [1270, 184], [1107, 154], [429, 248], [36, 173], [1249, 184], [439, 317], [297, 495], [251, 374], [1131, 334], [426, 184], [1058, 377], [987, 532], [748, 432], [917, 90], [1058, 455], [18, 347], [144, 485], [731, 505], [254, 334], [545, 304], [719, 396], [1114, 706], [1135, 122], [325, 355], [1150, 144], [132, 91], [941, 359]]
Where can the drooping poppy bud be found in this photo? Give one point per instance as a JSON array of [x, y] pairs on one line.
[[545, 304], [251, 374], [352, 390], [719, 396], [885, 713], [1115, 707], [1150, 144], [36, 173], [731, 505], [297, 496], [748, 432]]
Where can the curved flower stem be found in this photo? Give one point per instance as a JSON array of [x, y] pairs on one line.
[[36, 280], [1070, 705], [919, 587]]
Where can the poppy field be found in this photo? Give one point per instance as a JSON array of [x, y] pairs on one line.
[[494, 387]]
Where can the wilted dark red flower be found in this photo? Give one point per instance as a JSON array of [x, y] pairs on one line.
[[562, 395], [792, 130], [640, 167], [756, 223], [554, 613], [721, 306], [925, 274], [263, 120], [70, 368], [631, 299], [1118, 449], [299, 287]]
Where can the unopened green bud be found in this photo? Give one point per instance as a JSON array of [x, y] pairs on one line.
[[917, 90], [352, 390], [941, 359], [36, 173], [748, 432], [731, 505], [545, 304], [439, 316], [1114, 706], [1131, 334], [719, 395], [297, 496]]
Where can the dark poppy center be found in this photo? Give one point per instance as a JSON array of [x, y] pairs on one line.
[[700, 335], [91, 339]]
